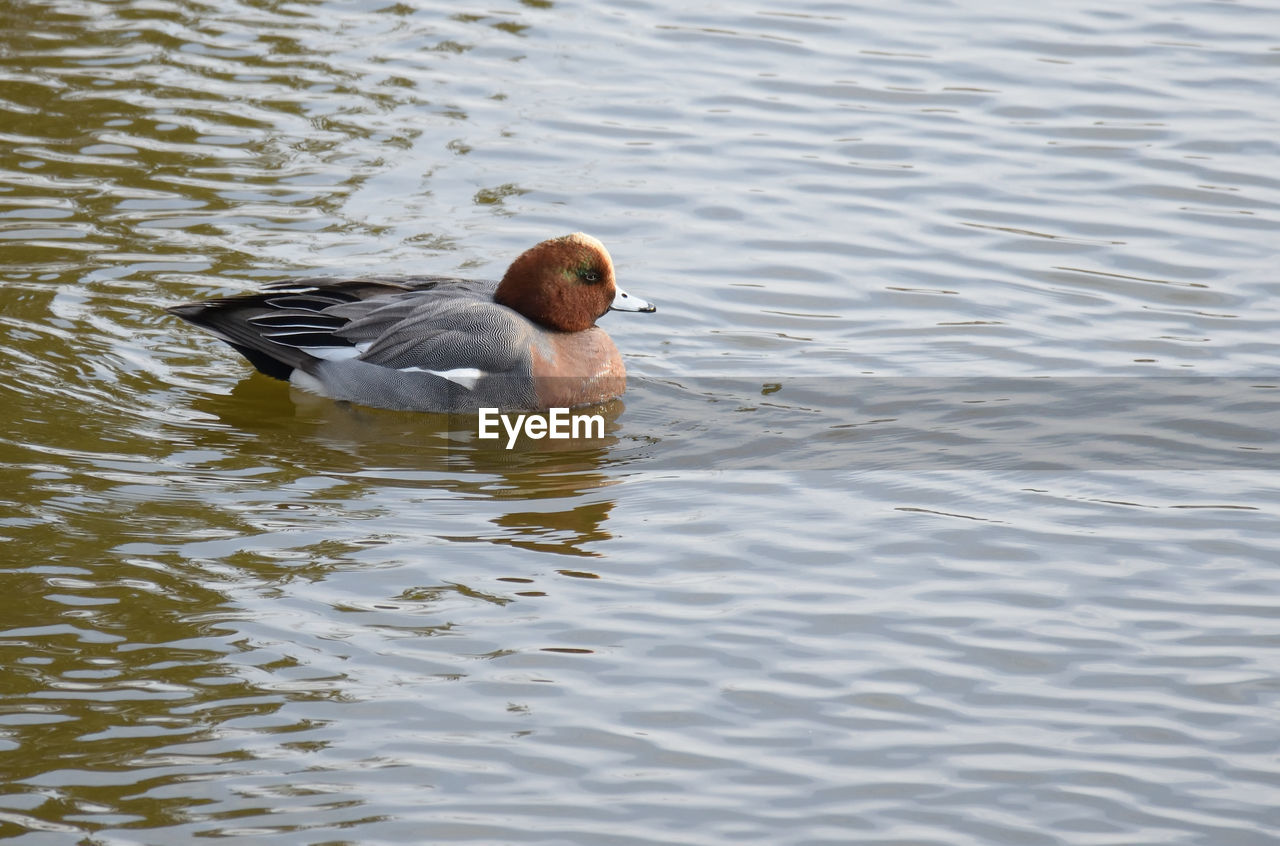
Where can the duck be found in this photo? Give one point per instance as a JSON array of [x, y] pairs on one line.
[[527, 342]]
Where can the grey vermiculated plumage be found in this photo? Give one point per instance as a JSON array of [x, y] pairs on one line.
[[429, 322]]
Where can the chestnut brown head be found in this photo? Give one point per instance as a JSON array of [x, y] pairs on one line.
[[565, 283]]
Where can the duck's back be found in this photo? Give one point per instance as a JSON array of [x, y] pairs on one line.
[[425, 343]]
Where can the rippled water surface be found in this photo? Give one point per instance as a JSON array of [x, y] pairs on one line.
[[942, 508]]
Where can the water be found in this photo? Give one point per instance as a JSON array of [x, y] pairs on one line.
[[941, 508]]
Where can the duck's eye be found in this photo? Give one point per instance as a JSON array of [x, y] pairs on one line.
[[588, 276]]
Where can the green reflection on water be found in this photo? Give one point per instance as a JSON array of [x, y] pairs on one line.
[[152, 485]]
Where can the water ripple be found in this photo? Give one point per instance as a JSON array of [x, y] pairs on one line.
[[793, 596]]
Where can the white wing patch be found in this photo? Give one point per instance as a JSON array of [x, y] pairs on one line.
[[464, 376], [342, 353]]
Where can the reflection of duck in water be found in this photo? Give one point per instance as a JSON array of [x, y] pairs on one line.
[[434, 343]]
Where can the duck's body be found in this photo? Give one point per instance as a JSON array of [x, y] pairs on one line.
[[432, 343]]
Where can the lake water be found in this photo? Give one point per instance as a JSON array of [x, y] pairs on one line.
[[943, 507]]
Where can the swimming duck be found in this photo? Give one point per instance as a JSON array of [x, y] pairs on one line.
[[433, 343]]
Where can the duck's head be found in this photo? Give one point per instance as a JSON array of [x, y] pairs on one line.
[[566, 284]]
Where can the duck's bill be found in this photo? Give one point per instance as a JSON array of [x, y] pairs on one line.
[[622, 301]]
